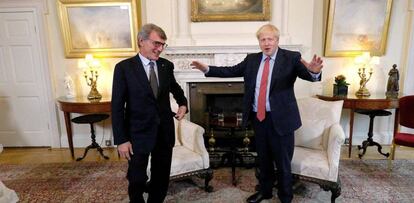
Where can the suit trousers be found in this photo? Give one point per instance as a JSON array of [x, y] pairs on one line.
[[160, 173], [274, 149]]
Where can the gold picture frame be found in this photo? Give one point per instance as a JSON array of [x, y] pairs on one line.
[[354, 27], [105, 28], [219, 10]]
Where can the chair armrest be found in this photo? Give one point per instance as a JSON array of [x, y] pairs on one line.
[[335, 140], [192, 138]]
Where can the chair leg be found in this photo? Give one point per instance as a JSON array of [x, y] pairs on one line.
[[393, 146], [336, 190], [392, 156], [207, 178]]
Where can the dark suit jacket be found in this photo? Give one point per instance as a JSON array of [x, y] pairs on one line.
[[137, 116], [287, 68]]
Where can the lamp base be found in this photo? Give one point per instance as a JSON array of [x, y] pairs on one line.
[[94, 95], [363, 92]]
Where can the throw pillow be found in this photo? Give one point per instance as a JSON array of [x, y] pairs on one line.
[[310, 134]]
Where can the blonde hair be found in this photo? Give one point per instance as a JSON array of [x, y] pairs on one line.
[[268, 28]]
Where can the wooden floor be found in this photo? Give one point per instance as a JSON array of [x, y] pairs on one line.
[[48, 155]]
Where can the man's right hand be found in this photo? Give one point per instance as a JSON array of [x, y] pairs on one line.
[[200, 66], [125, 150]]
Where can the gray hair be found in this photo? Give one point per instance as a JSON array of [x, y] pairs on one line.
[[148, 28]]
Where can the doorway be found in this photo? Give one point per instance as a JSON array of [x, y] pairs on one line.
[[24, 117]]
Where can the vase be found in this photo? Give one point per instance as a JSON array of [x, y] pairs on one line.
[[340, 90]]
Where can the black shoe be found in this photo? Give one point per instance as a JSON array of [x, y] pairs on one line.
[[257, 197]]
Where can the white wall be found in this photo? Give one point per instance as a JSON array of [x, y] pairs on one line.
[[305, 25]]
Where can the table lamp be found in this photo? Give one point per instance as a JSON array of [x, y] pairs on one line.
[[365, 62], [91, 65]]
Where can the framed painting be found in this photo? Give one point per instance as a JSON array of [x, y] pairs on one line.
[[356, 26], [224, 10], [105, 28]]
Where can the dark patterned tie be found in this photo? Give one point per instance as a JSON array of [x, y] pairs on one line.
[[153, 80]]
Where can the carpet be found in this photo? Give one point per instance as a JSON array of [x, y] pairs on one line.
[[362, 181]]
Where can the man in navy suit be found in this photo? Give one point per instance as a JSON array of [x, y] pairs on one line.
[[142, 120], [269, 102]]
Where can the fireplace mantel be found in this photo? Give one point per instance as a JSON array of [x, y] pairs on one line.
[[182, 56]]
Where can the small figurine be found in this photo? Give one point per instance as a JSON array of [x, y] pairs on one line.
[[69, 86], [392, 85]]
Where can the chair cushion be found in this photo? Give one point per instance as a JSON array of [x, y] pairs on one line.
[[185, 160], [177, 135], [404, 139], [310, 134], [312, 163]]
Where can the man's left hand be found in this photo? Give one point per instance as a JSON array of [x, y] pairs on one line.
[[181, 112], [315, 66]]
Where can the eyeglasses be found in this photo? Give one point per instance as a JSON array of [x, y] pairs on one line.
[[158, 44]]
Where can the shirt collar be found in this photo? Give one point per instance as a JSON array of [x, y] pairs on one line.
[[272, 57], [144, 60]]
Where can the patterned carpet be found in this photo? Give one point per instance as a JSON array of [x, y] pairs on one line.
[[362, 181]]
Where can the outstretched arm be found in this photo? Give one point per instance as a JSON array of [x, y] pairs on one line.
[[200, 66]]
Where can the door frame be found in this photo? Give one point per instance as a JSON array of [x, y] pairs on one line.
[[40, 9]]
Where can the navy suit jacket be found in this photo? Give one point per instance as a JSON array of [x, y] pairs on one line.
[[137, 116], [287, 67]]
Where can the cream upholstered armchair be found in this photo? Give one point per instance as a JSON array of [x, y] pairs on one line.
[[190, 157], [318, 144], [6, 194]]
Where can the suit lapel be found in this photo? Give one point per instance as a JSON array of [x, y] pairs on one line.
[[277, 67], [139, 72], [162, 76], [256, 66]]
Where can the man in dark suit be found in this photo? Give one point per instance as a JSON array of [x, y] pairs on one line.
[[142, 120], [269, 102]]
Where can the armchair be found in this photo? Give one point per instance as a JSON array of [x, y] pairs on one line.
[[190, 157], [318, 144], [6, 194], [405, 119]]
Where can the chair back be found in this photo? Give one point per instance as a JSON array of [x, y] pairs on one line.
[[406, 111], [317, 117]]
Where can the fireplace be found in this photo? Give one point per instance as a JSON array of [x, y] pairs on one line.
[[208, 99], [210, 95]]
